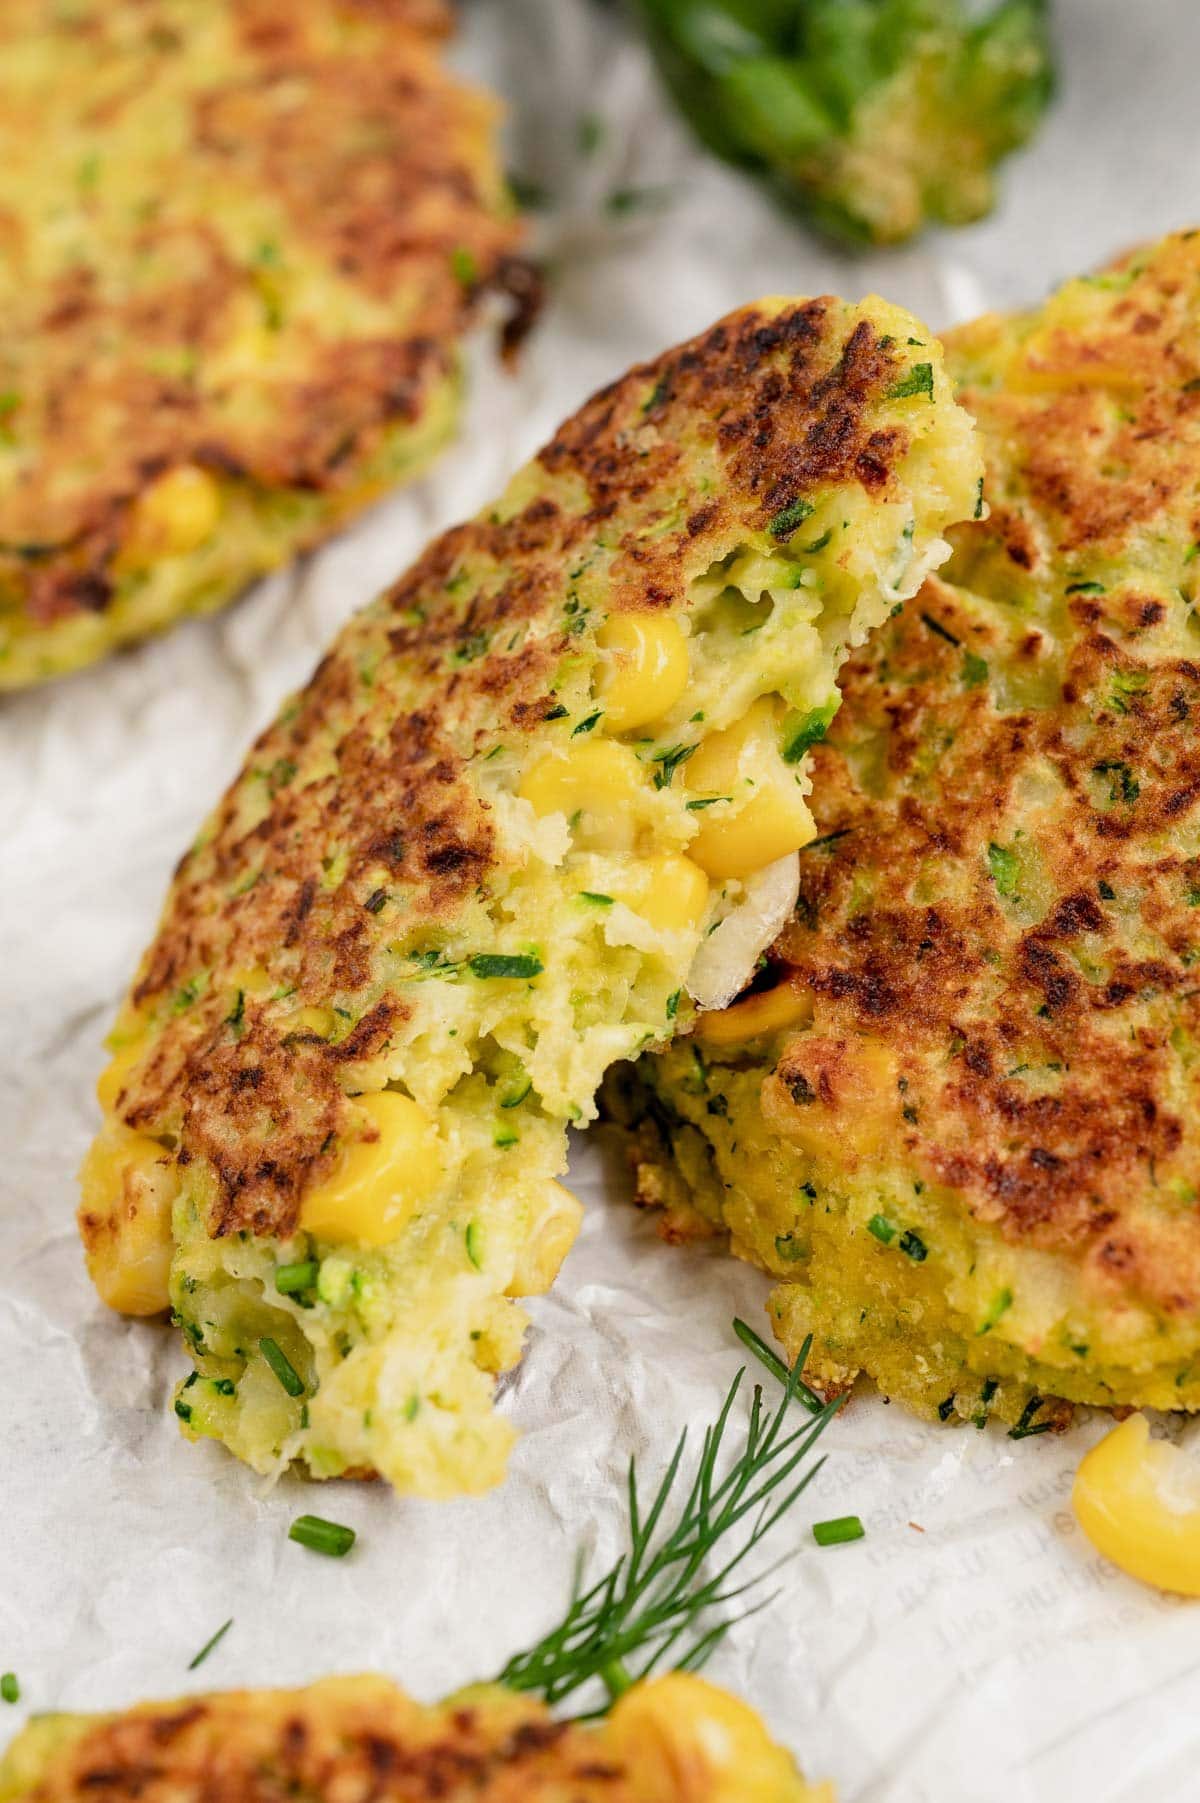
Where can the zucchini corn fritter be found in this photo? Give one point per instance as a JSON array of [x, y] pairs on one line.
[[878, 117], [957, 1119], [675, 1739], [241, 244], [473, 863]]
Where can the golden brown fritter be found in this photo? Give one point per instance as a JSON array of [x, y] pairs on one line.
[[474, 861], [675, 1739], [982, 1141], [240, 244]]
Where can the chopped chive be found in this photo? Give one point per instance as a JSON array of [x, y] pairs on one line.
[[474, 1244], [882, 1228], [1026, 1425], [597, 900], [919, 380], [586, 725], [914, 1247], [515, 1095], [789, 518], [505, 964], [321, 1536], [775, 1365], [10, 1690], [673, 1004], [208, 1646], [375, 901], [289, 1279], [669, 761], [838, 1531], [705, 801], [282, 1366]]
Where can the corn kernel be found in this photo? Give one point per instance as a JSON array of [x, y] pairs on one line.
[[312, 1019], [550, 1238], [671, 895], [129, 1185], [648, 671], [1138, 1502], [380, 1182], [787, 1005], [767, 815], [176, 514], [597, 785], [684, 1741]]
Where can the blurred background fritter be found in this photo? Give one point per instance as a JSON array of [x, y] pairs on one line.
[[239, 246]]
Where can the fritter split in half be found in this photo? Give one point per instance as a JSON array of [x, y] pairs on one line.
[[957, 1120], [474, 863], [675, 1739], [240, 244]]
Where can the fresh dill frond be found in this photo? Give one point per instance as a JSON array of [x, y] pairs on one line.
[[655, 1603]]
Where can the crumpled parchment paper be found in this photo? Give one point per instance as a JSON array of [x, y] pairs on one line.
[[972, 1647]]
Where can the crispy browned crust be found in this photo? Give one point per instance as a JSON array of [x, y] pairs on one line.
[[374, 163], [654, 478], [349, 1740], [1033, 1053]]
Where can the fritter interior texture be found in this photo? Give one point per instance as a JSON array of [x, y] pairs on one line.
[[361, 1740], [961, 1127], [471, 865], [240, 245]]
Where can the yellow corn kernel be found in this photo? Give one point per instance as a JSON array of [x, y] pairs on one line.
[[176, 514], [253, 980], [787, 1005], [311, 1019], [1138, 1502], [684, 1741], [599, 781], [381, 1181], [129, 1185], [550, 1238], [648, 671], [672, 894], [767, 815]]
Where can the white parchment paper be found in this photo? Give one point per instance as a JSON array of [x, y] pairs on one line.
[[989, 1656]]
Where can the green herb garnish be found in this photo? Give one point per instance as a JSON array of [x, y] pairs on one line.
[[291, 1279], [649, 1605], [321, 1536], [208, 1646], [919, 380], [10, 1690], [789, 518], [837, 1532], [281, 1365]]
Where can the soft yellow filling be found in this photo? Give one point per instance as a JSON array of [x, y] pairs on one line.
[[380, 1181], [1138, 1502], [550, 1238], [129, 1184], [646, 670], [756, 811]]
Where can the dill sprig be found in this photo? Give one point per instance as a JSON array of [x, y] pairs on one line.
[[655, 1601]]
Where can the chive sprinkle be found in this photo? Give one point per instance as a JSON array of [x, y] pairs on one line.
[[290, 1279], [10, 1690], [282, 1366], [919, 380], [321, 1536], [208, 1646], [838, 1531], [775, 1365]]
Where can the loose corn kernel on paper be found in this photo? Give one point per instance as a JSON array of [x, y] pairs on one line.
[[972, 1647]]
